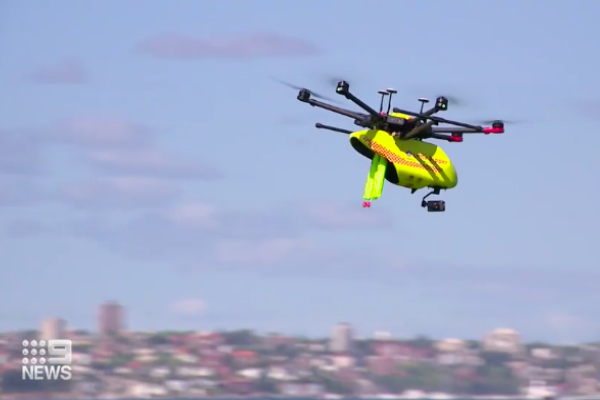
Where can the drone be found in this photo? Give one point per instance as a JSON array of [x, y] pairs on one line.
[[395, 142]]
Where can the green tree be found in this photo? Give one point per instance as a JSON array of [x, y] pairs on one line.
[[286, 350], [421, 341], [241, 338], [474, 344], [424, 376], [495, 358], [12, 382], [157, 340], [265, 385], [82, 348], [496, 380], [121, 360], [363, 347], [392, 384], [336, 386]]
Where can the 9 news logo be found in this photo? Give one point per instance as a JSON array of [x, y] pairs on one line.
[[47, 360]]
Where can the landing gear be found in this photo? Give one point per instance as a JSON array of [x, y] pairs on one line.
[[433, 205]]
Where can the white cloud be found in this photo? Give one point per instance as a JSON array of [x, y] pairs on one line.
[[195, 213], [149, 162], [118, 192], [19, 153], [19, 191], [263, 252], [258, 44], [188, 307], [339, 216], [101, 132], [565, 321], [67, 72], [21, 228]]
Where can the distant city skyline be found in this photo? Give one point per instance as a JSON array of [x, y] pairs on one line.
[[241, 364], [157, 164], [112, 318]]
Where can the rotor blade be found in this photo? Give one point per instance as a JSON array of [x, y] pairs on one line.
[[506, 121], [454, 100], [450, 93], [293, 121], [333, 80], [314, 94]]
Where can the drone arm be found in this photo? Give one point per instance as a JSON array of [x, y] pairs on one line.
[[337, 110], [475, 129], [465, 127], [319, 125], [419, 130], [361, 104], [428, 113], [448, 138], [424, 115]]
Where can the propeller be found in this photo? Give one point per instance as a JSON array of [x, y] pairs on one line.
[[453, 100], [313, 94], [333, 80], [504, 121], [430, 91]]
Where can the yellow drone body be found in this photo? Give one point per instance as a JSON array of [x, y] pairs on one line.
[[413, 164]]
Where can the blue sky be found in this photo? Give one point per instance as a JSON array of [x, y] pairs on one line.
[[147, 157]]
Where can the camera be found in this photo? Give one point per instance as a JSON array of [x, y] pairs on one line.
[[436, 206]]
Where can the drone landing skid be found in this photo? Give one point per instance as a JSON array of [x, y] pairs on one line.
[[375, 180]]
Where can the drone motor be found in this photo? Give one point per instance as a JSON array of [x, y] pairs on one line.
[[304, 95], [441, 103]]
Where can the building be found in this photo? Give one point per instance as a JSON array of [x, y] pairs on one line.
[[450, 345], [502, 340], [110, 318], [341, 338], [53, 328], [382, 335]]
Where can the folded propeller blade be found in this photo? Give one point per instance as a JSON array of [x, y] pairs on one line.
[[505, 121], [312, 93], [453, 100]]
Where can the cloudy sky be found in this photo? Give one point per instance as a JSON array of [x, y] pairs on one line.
[[147, 157]]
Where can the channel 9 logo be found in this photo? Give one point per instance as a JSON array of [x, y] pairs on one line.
[[47, 360]]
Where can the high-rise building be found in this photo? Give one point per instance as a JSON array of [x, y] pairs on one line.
[[341, 338], [110, 318], [53, 328]]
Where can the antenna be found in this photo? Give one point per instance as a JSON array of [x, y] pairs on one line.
[[423, 101], [383, 93], [391, 92]]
